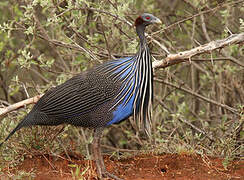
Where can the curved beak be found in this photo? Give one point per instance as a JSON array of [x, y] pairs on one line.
[[157, 21]]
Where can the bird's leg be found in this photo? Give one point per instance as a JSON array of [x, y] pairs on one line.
[[97, 155], [96, 151]]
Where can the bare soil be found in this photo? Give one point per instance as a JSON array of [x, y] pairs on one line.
[[149, 167]]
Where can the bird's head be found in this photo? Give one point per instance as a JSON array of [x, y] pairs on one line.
[[147, 19]]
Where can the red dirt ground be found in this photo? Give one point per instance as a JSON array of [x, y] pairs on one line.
[[148, 167]]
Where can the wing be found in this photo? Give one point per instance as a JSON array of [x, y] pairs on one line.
[[77, 96]]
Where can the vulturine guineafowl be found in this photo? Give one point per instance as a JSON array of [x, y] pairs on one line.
[[101, 96]]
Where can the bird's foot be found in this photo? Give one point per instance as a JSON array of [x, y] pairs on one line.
[[109, 175], [103, 173]]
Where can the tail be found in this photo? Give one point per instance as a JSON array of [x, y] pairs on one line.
[[24, 122]]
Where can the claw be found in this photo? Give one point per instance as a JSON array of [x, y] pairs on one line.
[[107, 174]]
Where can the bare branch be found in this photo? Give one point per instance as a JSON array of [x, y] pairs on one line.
[[180, 57], [18, 105]]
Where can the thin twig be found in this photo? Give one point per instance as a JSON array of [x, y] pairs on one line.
[[185, 121], [233, 110], [204, 29], [198, 14], [45, 34]]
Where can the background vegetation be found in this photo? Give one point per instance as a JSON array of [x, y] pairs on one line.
[[45, 42]]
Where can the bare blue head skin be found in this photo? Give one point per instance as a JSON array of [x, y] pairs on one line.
[[144, 20]]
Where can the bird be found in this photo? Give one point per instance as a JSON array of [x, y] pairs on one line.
[[106, 94]]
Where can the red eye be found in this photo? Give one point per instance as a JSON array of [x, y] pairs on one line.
[[148, 18]]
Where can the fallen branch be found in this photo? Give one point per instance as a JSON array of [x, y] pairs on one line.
[[170, 60]]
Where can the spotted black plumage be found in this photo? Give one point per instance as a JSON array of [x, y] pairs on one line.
[[101, 96]]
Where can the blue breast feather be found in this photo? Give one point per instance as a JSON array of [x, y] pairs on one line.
[[125, 108]]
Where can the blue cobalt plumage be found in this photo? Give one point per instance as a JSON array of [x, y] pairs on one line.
[[101, 96], [125, 73]]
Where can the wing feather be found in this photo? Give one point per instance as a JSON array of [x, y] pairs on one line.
[[79, 95]]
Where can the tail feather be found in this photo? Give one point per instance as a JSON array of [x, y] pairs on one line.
[[23, 123]]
